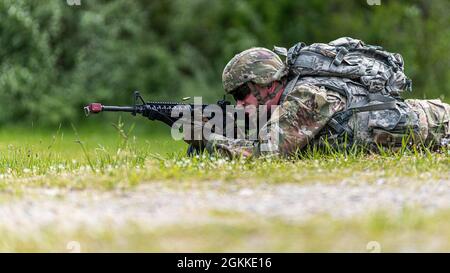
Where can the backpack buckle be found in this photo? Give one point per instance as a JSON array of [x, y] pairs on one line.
[[340, 56]]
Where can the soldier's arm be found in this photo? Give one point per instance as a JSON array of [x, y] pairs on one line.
[[294, 123], [306, 110]]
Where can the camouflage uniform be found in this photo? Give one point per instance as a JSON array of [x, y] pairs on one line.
[[306, 109], [303, 113]]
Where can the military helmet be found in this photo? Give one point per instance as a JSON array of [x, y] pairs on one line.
[[258, 65]]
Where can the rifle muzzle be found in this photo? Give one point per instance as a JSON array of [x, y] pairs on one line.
[[93, 108]]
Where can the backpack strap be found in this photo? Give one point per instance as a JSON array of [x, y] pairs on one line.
[[339, 121], [289, 87]]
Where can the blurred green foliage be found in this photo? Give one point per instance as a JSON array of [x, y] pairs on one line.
[[54, 57]]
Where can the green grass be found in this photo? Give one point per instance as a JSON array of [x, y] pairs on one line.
[[60, 143], [113, 151], [121, 157]]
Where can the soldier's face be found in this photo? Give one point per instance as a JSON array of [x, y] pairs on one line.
[[251, 103], [264, 91], [250, 99]]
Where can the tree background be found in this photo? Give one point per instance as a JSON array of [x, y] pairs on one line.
[[56, 57]]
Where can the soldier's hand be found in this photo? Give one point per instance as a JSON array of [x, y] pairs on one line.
[[193, 135]]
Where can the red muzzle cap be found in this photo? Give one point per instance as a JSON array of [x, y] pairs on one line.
[[93, 108]]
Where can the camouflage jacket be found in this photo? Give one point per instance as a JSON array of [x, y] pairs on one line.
[[306, 110]]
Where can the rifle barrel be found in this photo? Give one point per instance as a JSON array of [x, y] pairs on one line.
[[98, 107], [118, 108]]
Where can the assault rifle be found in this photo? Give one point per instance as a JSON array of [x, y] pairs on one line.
[[160, 111]]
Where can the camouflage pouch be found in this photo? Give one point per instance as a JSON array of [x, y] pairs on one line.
[[394, 126], [434, 116]]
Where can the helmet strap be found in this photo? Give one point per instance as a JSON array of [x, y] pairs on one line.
[[255, 92]]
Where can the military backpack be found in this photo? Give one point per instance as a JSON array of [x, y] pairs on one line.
[[370, 78]]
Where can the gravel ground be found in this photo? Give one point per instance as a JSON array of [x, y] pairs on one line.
[[156, 204]]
